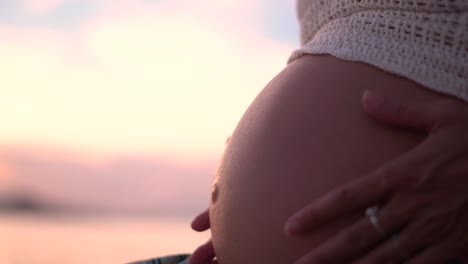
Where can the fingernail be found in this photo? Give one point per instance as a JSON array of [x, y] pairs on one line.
[[293, 227], [373, 100]]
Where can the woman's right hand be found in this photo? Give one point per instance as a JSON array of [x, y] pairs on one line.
[[204, 254]]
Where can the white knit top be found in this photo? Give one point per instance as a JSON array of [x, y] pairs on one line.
[[423, 40]]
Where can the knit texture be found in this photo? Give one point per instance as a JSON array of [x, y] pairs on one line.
[[423, 40]]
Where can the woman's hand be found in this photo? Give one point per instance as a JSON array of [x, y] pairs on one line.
[[422, 195], [204, 254]]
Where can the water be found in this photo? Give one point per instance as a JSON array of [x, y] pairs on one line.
[[26, 239]]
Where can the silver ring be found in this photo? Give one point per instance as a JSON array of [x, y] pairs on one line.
[[395, 240], [372, 212]]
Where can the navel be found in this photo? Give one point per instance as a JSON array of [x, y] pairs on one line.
[[214, 192]]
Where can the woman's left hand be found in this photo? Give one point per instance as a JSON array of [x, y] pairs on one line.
[[422, 195], [204, 254]]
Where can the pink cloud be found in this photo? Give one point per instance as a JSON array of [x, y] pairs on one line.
[[171, 78]]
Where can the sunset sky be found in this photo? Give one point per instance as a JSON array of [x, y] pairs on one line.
[[130, 80]]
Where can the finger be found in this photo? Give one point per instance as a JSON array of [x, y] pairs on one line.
[[438, 253], [342, 201], [202, 221], [409, 171], [411, 243], [391, 251], [420, 168], [415, 114], [400, 247], [415, 170], [356, 240], [346, 246], [203, 254]]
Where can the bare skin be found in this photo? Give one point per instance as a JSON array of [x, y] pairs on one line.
[[422, 195], [302, 136]]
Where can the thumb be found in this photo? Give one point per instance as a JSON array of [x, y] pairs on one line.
[[412, 115], [203, 254], [202, 221]]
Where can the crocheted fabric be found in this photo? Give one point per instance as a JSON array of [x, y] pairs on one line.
[[423, 40]]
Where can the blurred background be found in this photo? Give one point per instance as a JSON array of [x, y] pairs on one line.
[[114, 114]]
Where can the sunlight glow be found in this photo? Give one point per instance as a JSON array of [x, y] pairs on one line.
[[138, 78]]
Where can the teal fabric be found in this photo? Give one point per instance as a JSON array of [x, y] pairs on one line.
[[171, 259]]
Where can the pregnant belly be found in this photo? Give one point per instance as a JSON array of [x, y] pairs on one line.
[[304, 134]]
